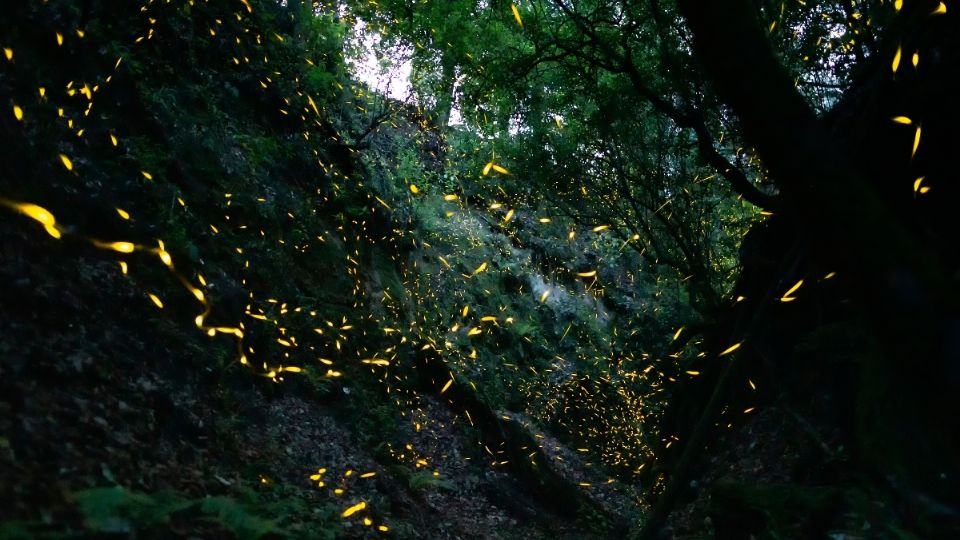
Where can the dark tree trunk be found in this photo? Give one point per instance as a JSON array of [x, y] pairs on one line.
[[846, 184]]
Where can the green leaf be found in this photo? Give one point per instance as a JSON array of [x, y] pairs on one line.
[[117, 510], [424, 480], [235, 517]]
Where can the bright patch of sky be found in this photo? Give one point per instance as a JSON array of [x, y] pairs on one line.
[[389, 76]]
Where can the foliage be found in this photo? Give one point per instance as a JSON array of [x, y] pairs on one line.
[[424, 481], [114, 510], [238, 519]]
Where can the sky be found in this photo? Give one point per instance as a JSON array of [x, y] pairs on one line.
[[393, 82]]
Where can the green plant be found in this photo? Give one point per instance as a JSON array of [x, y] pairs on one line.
[[116, 510], [238, 519], [425, 481]]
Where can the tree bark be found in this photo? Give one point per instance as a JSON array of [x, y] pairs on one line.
[[899, 283]]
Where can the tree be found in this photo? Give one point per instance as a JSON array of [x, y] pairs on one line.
[[896, 255], [846, 106]]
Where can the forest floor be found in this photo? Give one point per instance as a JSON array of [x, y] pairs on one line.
[[99, 389], [116, 418]]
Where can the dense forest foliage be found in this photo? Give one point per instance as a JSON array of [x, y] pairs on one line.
[[608, 268]]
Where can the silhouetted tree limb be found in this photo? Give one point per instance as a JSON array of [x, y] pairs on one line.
[[901, 289]]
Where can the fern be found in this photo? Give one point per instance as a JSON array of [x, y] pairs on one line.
[[234, 516], [423, 481], [118, 510]]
